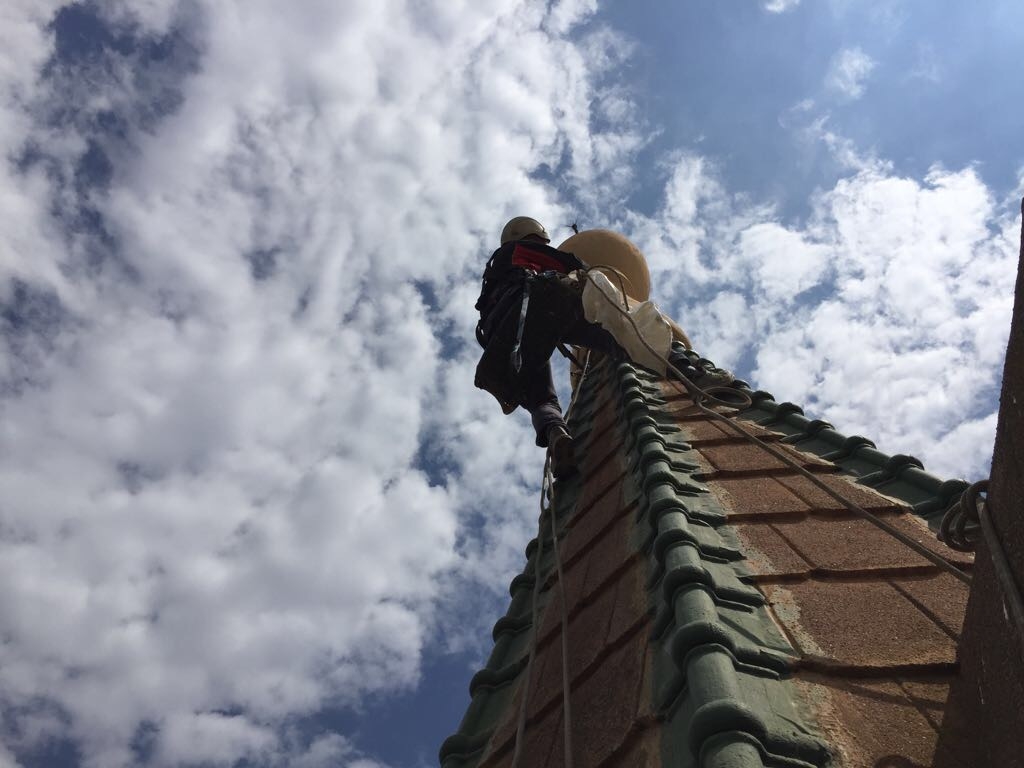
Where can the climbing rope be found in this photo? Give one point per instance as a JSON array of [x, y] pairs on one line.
[[521, 720], [700, 397], [547, 506], [960, 529], [566, 699]]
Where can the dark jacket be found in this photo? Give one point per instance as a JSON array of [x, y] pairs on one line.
[[505, 273]]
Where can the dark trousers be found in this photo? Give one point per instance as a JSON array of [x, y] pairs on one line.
[[540, 398]]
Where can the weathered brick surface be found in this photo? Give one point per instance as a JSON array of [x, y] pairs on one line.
[[750, 496], [610, 700], [593, 520], [605, 704], [501, 740], [546, 677], [939, 596], [746, 458], [602, 459], [873, 723], [599, 480], [854, 600], [631, 602], [643, 749], [604, 421], [575, 579], [708, 431], [767, 553], [610, 553], [542, 741], [711, 430], [866, 624], [683, 410], [928, 696], [588, 632], [852, 544], [867, 498]]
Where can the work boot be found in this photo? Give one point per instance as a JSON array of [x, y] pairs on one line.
[[563, 455]]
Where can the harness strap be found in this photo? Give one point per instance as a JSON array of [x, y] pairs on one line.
[[517, 357]]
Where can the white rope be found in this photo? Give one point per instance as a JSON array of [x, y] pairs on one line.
[[699, 396], [546, 494]]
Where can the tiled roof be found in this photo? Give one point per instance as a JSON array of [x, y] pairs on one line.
[[724, 612]]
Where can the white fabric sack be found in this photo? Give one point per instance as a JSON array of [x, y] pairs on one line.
[[608, 312]]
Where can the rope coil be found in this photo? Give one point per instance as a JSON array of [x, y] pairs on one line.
[[960, 528], [968, 521]]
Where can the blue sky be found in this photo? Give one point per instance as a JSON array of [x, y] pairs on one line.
[[251, 501]]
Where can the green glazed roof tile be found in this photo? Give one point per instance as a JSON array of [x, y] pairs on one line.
[[720, 658], [721, 666], [492, 688], [902, 477]]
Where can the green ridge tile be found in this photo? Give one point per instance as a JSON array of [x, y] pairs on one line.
[[721, 708], [858, 457], [683, 566], [711, 628], [492, 688], [674, 527]]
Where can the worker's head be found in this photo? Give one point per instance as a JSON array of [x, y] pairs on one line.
[[522, 227]]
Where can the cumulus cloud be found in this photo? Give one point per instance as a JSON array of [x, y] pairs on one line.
[[848, 73], [245, 473], [237, 243], [886, 312]]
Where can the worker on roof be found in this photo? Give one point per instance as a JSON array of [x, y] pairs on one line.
[[530, 304]]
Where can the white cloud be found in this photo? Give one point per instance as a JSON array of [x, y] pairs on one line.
[[886, 313], [780, 6], [240, 479], [848, 73], [221, 420]]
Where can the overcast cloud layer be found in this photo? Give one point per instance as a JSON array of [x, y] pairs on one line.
[[245, 475]]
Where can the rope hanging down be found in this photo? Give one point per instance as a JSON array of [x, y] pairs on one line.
[[547, 506]]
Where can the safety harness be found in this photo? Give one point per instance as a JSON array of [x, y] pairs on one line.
[[534, 301]]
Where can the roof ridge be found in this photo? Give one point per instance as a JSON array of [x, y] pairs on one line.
[[900, 476]]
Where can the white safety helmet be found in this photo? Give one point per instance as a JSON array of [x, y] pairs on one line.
[[520, 227]]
